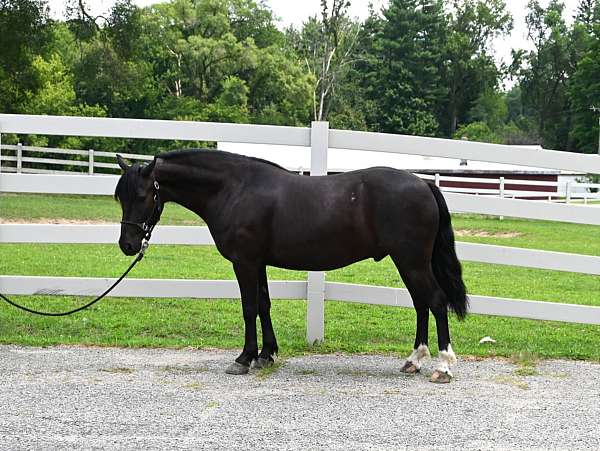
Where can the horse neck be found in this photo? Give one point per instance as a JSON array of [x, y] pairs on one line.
[[195, 181]]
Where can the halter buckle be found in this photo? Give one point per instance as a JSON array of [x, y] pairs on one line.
[[144, 247]]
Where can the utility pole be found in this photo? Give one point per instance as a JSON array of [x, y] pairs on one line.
[[597, 110]]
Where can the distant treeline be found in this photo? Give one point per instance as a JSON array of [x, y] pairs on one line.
[[422, 67]]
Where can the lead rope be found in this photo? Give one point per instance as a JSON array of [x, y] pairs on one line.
[[147, 227], [89, 304]]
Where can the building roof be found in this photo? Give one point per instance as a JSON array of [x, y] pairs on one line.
[[297, 159]]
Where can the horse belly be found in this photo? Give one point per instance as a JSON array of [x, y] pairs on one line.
[[319, 245]]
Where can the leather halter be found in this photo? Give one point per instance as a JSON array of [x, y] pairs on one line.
[[148, 225]]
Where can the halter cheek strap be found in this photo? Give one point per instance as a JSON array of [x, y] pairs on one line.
[[148, 225]]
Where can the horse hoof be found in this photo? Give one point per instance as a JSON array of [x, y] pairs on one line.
[[440, 377], [409, 368], [262, 363], [237, 369]]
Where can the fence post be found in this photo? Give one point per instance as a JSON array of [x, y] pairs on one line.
[[437, 180], [19, 158], [501, 193], [0, 151], [315, 309], [568, 192], [91, 161]]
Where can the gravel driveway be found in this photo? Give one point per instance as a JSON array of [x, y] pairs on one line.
[[99, 398]]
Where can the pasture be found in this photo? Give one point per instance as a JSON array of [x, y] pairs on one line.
[[349, 327]]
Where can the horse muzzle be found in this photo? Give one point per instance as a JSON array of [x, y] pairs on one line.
[[129, 248]]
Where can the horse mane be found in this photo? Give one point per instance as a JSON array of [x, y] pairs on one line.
[[229, 155], [128, 181]]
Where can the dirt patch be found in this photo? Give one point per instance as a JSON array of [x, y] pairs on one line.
[[53, 221], [82, 221], [486, 233]]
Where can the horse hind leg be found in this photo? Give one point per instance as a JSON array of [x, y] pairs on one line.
[[427, 295], [413, 281], [446, 357], [420, 350]]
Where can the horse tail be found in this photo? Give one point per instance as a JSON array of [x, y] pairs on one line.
[[446, 266]]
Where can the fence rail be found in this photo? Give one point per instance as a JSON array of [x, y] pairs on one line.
[[335, 291], [449, 148], [540, 189], [200, 236], [90, 160], [460, 203], [319, 137]]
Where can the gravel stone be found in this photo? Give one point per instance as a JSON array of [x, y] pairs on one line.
[[107, 398]]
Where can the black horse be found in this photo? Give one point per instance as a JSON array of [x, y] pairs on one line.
[[260, 214]]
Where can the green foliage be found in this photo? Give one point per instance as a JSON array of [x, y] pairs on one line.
[[328, 47], [280, 89], [23, 33], [422, 67], [547, 72], [477, 131], [585, 93], [490, 108], [471, 73], [404, 69], [228, 57]]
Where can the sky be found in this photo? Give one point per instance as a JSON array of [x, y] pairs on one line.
[[296, 11]]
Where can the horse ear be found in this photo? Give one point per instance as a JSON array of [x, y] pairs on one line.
[[147, 170], [122, 163]]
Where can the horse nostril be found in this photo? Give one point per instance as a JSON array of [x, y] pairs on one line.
[[126, 247]]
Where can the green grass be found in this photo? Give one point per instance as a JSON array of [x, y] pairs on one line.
[[526, 371], [352, 328], [204, 262], [547, 235], [41, 207], [349, 327]]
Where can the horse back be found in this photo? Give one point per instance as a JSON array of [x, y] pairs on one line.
[[331, 221]]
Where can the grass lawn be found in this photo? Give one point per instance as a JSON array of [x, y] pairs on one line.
[[349, 327], [44, 207]]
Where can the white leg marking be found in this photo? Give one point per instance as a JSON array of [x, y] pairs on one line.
[[418, 355], [447, 359]]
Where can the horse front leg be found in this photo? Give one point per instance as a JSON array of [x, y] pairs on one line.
[[270, 348], [248, 280]]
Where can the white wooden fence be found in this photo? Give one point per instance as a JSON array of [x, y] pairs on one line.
[[90, 162], [316, 290], [23, 157]]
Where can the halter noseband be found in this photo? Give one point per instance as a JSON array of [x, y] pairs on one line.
[[148, 225]]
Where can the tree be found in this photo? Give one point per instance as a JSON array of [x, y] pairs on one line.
[[280, 88], [23, 25], [471, 70], [584, 94], [587, 13], [206, 51], [490, 108], [477, 131], [328, 47], [544, 78], [404, 74]]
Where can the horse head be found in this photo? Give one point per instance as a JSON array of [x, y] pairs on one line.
[[138, 193]]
